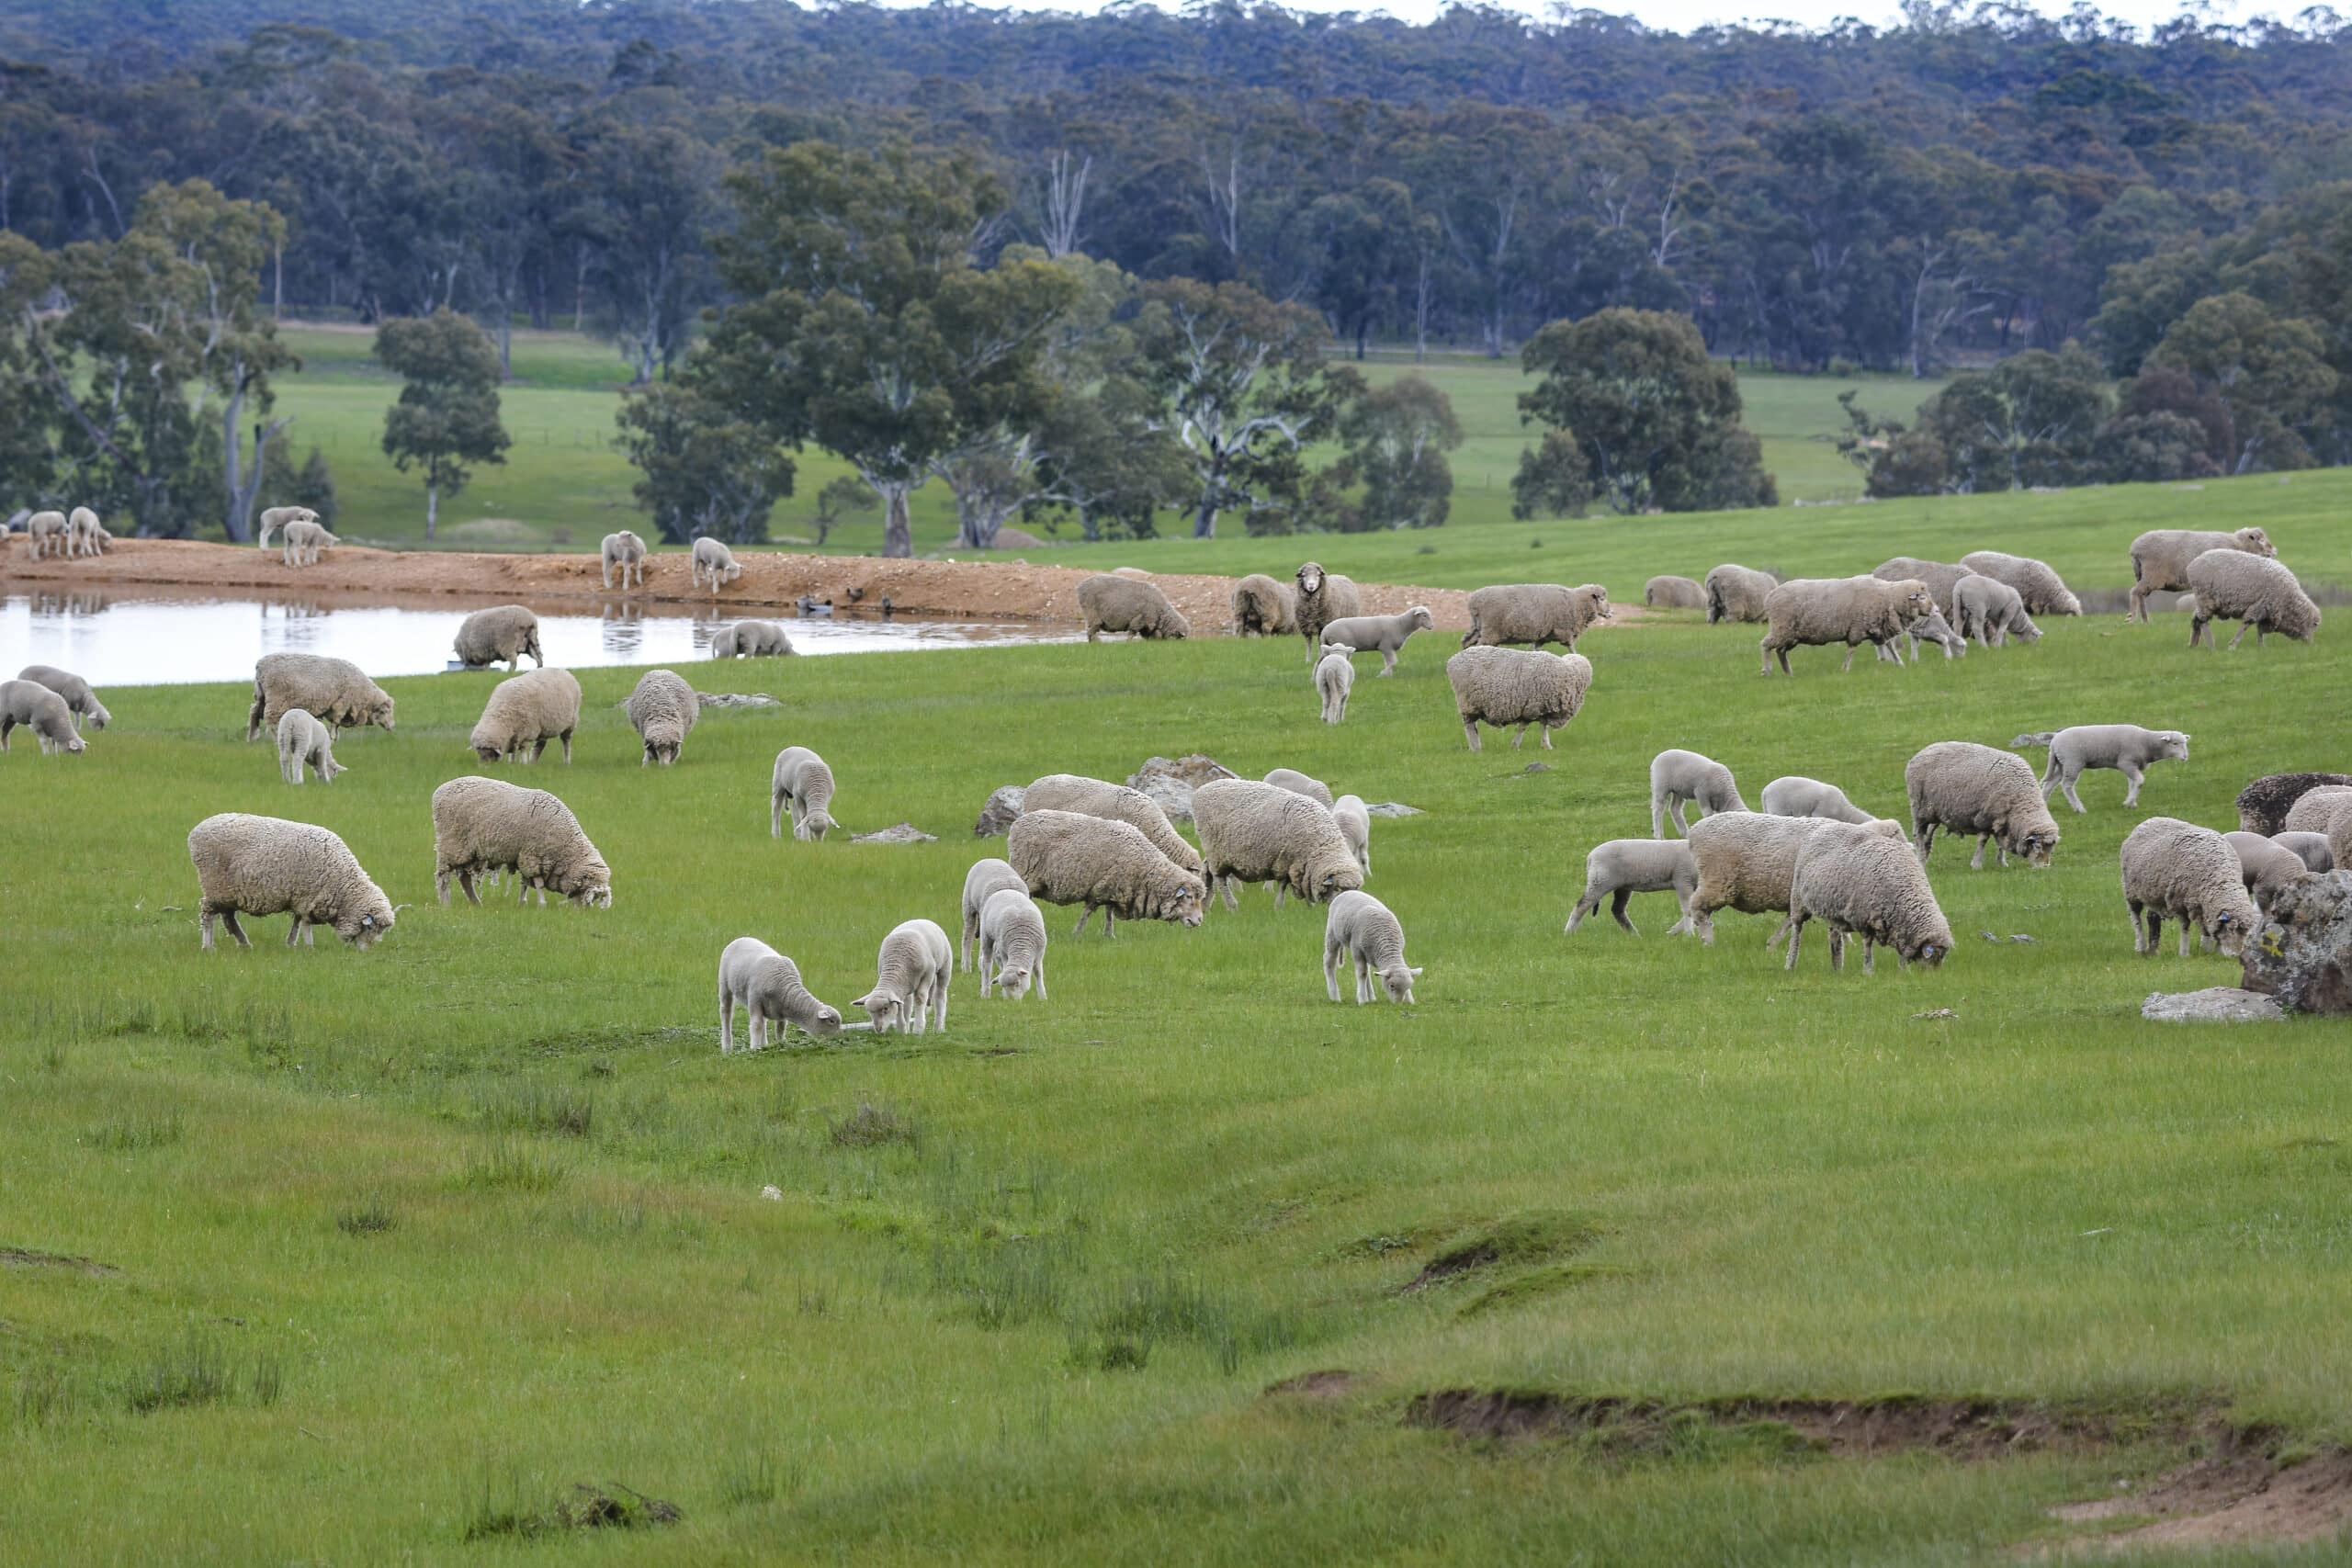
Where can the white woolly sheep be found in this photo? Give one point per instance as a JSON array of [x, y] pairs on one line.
[[1822, 611], [1012, 944], [1669, 593], [1930, 627], [2161, 557], [1263, 832], [2263, 805], [625, 550], [802, 782], [1622, 867], [911, 979], [306, 541], [2265, 865], [48, 532], [1109, 603], [662, 710], [1355, 826], [2177, 870], [1992, 612], [2125, 748], [266, 865], [1335, 678], [766, 985], [2315, 810], [1384, 635], [85, 535], [714, 563], [1738, 593], [1320, 598], [79, 701], [1507, 686], [1100, 798], [984, 881], [1859, 883], [1533, 614], [1795, 795], [1677, 776], [1291, 779], [1366, 934], [335, 690], [2044, 592], [750, 639], [1961, 787], [303, 741], [483, 825], [1746, 862], [503, 631], [2311, 848], [274, 518], [42, 710], [525, 712], [2254, 590], [1068, 858], [1262, 607], [1941, 578]]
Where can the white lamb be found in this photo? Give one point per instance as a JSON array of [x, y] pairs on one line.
[[911, 979], [985, 881], [1012, 946], [1677, 776], [1362, 931], [302, 739], [1334, 677], [766, 985], [1355, 826], [2124, 748], [1622, 867]]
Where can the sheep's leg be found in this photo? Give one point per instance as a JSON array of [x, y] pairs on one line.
[[1388, 662], [2135, 773], [294, 932], [971, 929], [2067, 785], [1977, 864], [2244, 626], [1848, 668], [775, 818], [2155, 919], [939, 995], [540, 749], [2261, 633], [2187, 937], [1110, 926], [988, 963], [1231, 902], [204, 924], [1362, 966], [1518, 739], [1674, 809], [1617, 909], [1037, 975], [1837, 951], [1331, 967], [2138, 611], [1587, 903], [2196, 625], [1469, 727], [1787, 921], [1795, 928], [1869, 957], [466, 879], [726, 1021], [1544, 733]]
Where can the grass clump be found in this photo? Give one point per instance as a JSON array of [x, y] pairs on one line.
[[511, 1165], [1521, 1239], [198, 1372], [549, 1109], [580, 1507], [870, 1125], [128, 1135], [373, 1217]]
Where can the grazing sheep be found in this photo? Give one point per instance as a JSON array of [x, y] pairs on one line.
[[335, 690], [2189, 873], [1738, 593], [2316, 810], [2311, 848], [1991, 611], [1505, 686], [1113, 603], [1959, 786], [526, 712], [1363, 931], [1796, 796], [1319, 599], [804, 782], [662, 710], [1012, 944], [1534, 614], [1747, 860], [49, 533], [2125, 748], [43, 712], [84, 536], [1262, 607], [1263, 832], [1930, 627], [2254, 590], [1622, 867], [2265, 865], [911, 979], [307, 540], [1384, 635], [1117, 802], [750, 639], [486, 825], [1355, 826], [79, 701], [1335, 678], [715, 563], [265, 866], [1858, 883], [506, 631], [304, 740], [766, 985], [984, 881], [1068, 858], [1677, 776], [2161, 557], [2264, 804], [1674, 593], [2045, 593], [1822, 611], [1291, 779], [274, 518], [626, 550], [1941, 578]]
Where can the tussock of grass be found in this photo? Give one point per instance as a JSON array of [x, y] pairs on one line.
[[539, 1108], [373, 1217], [511, 1165], [1537, 1237], [870, 1124], [580, 1507], [133, 1132], [201, 1371]]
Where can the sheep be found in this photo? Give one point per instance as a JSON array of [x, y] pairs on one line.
[[302, 739], [1746, 862], [1114, 802], [1320, 598], [49, 533], [2265, 865], [984, 881], [2311, 848], [1809, 612], [527, 711], [626, 550], [1795, 795], [911, 979], [2126, 747], [1109, 603], [1992, 612], [79, 701], [2176, 869], [1534, 614], [1362, 930], [1674, 593], [714, 562], [305, 541], [2264, 804], [481, 825], [44, 713], [1263, 832], [2315, 811], [1941, 578], [1861, 883], [1384, 635], [1738, 593], [662, 710], [266, 865], [1930, 627], [2161, 557], [274, 518], [335, 690], [766, 985], [1961, 787], [2044, 593], [1622, 867], [1291, 779], [1068, 858], [1262, 607], [750, 639], [1012, 944], [2254, 590], [84, 536], [1335, 678], [804, 782], [506, 631], [1355, 826], [1505, 686], [1677, 776]]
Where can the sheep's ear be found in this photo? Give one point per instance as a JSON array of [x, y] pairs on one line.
[[1413, 973]]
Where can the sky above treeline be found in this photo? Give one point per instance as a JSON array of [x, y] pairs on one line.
[[1683, 16]]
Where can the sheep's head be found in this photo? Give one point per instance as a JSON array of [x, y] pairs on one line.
[[1310, 579], [2039, 846], [97, 715], [887, 1008], [71, 743], [489, 751], [364, 925], [2254, 541], [2174, 745], [591, 885], [2229, 930], [1180, 902], [815, 826], [531, 645], [379, 712], [1331, 881], [1419, 619], [1931, 952], [1013, 982], [732, 570], [1174, 624], [2021, 627], [1916, 599], [328, 767], [1599, 599], [1337, 650], [1399, 980], [823, 1021]]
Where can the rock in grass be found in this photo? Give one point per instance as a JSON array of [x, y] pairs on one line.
[[736, 699], [1000, 813], [904, 833], [2215, 1004], [1392, 809], [2302, 953], [1170, 783]]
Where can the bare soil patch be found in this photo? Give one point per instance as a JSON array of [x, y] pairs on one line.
[[1328, 1384], [28, 1257], [2236, 1498]]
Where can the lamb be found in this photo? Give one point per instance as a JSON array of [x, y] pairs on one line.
[[274, 518], [1677, 776], [1812, 611], [750, 639], [85, 535], [1622, 867], [1297, 783], [1505, 686], [1746, 862], [804, 782], [2126, 747], [2264, 804], [1362, 930], [626, 550], [2317, 809], [302, 739], [2161, 557], [1930, 627], [79, 701], [1263, 832], [1961, 787], [1355, 826], [1319, 599], [528, 711], [2045, 593], [2176, 869], [1115, 803], [1941, 578], [1534, 614], [662, 710], [1384, 635], [714, 562], [2311, 848], [43, 712], [1674, 593], [1262, 607], [1795, 795], [1738, 593], [1861, 883], [911, 979], [481, 825], [985, 881], [2265, 865], [306, 541], [1109, 603], [49, 533], [1012, 944], [1991, 611], [2254, 590], [266, 865], [766, 985], [507, 631], [1067, 858], [1334, 677], [335, 690]]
